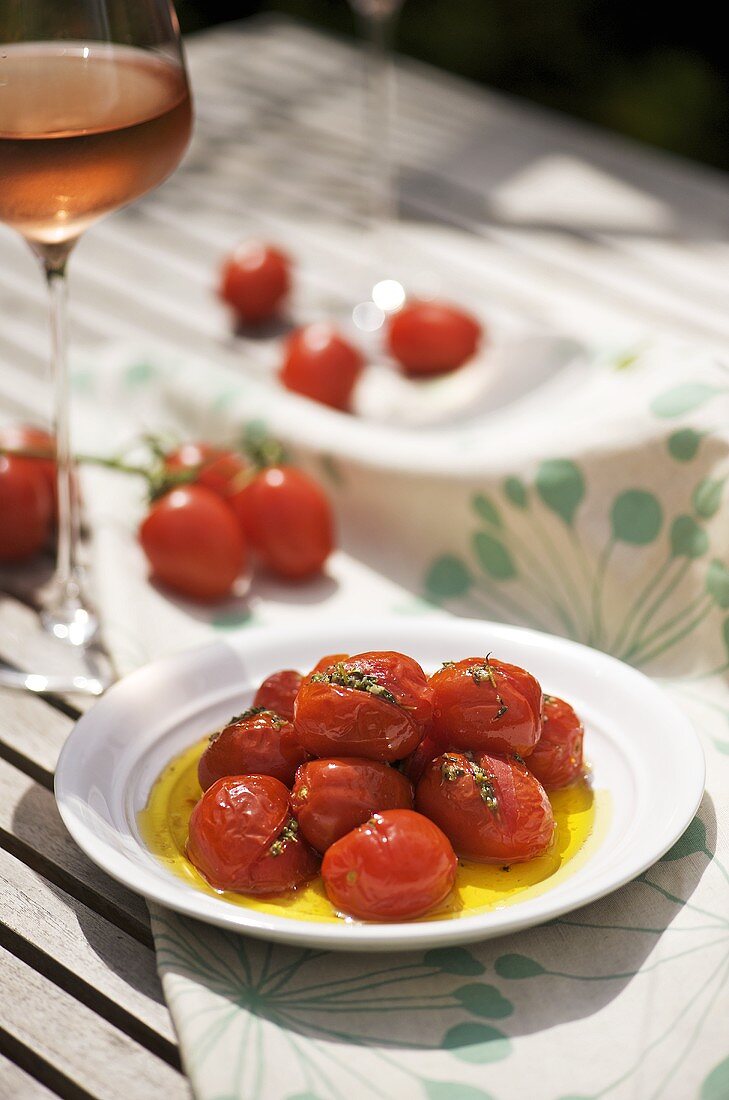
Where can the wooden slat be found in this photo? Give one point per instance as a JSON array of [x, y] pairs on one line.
[[16, 1084], [31, 733], [84, 953], [76, 1051], [31, 829]]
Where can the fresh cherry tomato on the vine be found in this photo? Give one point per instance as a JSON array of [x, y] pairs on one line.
[[319, 363], [278, 691], [397, 866], [375, 705], [287, 519], [255, 280], [332, 797], [193, 543], [557, 759], [432, 337], [480, 704], [223, 472], [492, 809], [255, 742], [26, 437], [26, 508], [242, 837]]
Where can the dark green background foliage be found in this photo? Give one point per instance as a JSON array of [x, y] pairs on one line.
[[654, 73]]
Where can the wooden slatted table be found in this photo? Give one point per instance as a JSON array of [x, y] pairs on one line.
[[575, 229]]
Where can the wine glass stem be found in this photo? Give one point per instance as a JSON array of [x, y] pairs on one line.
[[68, 526], [378, 31]]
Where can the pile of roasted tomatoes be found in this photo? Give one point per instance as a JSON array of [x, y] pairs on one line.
[[424, 338], [380, 778]]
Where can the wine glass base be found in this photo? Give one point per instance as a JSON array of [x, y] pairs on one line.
[[70, 623]]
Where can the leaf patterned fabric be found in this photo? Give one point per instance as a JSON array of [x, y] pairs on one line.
[[604, 517]]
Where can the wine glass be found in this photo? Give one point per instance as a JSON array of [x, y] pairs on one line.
[[378, 20], [94, 112]]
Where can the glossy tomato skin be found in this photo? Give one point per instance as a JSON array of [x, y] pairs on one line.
[[384, 720], [26, 508], [278, 691], [492, 809], [319, 363], [260, 743], [255, 281], [26, 437], [397, 866], [242, 837], [327, 661], [233, 824], [480, 704], [288, 521], [414, 765], [432, 337], [557, 759], [223, 472], [193, 543], [332, 797]]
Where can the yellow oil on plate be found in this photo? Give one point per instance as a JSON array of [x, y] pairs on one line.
[[163, 825]]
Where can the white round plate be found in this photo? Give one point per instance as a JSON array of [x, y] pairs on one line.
[[643, 752]]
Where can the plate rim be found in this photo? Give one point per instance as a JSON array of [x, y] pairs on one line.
[[358, 936]]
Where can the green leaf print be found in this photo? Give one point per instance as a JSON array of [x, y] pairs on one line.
[[707, 497], [453, 960], [518, 966], [561, 487], [515, 491], [453, 1090], [485, 508], [493, 557], [448, 578], [636, 517], [688, 540], [483, 1000], [476, 1043], [682, 399], [692, 841], [683, 444], [716, 1085], [717, 583]]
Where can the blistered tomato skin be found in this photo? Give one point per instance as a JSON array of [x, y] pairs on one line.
[[376, 705], [262, 743], [233, 824], [557, 759], [397, 866], [492, 809], [278, 691], [332, 797], [414, 765], [242, 837], [484, 705]]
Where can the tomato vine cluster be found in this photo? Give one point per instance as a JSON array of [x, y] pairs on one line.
[[381, 778]]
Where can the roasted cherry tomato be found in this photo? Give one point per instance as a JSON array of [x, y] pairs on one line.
[[240, 834], [414, 765], [287, 520], [319, 363], [193, 543], [278, 691], [432, 337], [397, 866], [375, 705], [332, 797], [557, 759], [26, 508], [480, 704], [256, 742], [224, 472], [492, 809], [255, 280], [25, 437]]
